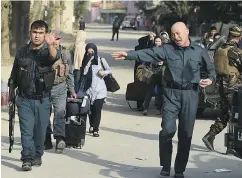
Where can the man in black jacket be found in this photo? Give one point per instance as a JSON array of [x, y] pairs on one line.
[[82, 24]]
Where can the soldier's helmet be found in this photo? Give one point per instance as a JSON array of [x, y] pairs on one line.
[[235, 31]]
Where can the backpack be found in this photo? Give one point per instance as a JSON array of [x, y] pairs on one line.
[[116, 24], [221, 62], [144, 73]]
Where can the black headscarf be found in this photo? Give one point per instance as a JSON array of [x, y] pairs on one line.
[[87, 57]]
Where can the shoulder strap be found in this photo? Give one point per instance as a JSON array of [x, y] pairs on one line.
[[102, 63]]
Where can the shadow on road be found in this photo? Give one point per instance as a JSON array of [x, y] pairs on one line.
[[116, 103], [126, 170], [150, 137]]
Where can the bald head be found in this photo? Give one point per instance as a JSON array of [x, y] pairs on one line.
[[178, 25], [180, 34]]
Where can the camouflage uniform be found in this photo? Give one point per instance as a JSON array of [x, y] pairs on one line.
[[227, 85]]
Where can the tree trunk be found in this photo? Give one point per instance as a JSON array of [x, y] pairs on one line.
[[14, 26], [57, 15], [16, 23], [5, 7], [25, 22], [51, 15], [36, 11], [61, 16]]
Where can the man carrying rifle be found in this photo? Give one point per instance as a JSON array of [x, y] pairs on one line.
[[33, 77]]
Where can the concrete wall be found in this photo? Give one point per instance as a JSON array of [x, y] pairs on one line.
[[131, 9], [91, 15]]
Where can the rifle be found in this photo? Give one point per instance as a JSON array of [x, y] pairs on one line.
[[11, 114]]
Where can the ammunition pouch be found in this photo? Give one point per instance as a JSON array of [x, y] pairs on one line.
[[45, 79], [61, 68], [24, 74]]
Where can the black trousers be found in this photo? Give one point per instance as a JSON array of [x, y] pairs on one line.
[[181, 105], [139, 104], [95, 116], [77, 76], [156, 81], [115, 31]]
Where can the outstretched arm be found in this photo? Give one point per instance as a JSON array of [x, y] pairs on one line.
[[152, 55]]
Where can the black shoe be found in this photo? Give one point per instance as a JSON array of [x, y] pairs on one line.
[[178, 175], [165, 171], [37, 161], [208, 141], [60, 145], [91, 130], [111, 40], [48, 142], [95, 134], [145, 112], [27, 165]]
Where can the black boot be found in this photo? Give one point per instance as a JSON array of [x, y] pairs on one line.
[[37, 161], [208, 140], [48, 142], [27, 165], [178, 175], [165, 171]]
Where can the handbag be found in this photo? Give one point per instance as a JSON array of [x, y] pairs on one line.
[[111, 83], [144, 73]]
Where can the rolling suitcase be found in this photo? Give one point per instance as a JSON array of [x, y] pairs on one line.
[[76, 116]]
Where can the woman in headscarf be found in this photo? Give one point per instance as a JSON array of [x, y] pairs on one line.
[[164, 37], [94, 69], [79, 53]]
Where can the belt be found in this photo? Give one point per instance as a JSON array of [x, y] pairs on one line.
[[178, 86], [33, 96]]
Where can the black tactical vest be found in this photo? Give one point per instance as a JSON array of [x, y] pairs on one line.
[[35, 74]]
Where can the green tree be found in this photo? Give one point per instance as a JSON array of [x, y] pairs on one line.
[[79, 8], [224, 11], [179, 9]]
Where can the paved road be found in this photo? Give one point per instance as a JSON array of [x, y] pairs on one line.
[[128, 143]]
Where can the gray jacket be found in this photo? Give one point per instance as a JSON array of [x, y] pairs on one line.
[[66, 55]]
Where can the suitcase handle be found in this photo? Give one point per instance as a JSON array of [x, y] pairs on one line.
[[77, 100]]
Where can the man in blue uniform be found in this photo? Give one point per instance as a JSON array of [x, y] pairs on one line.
[[183, 59], [33, 77]]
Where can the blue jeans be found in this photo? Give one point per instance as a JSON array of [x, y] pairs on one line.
[[34, 117], [58, 99]]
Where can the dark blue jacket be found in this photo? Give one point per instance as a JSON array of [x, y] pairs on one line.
[[183, 64]]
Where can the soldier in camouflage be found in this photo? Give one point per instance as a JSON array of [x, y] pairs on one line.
[[64, 82], [209, 37], [227, 85]]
